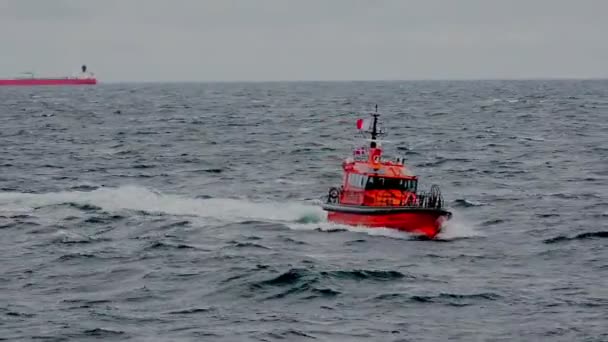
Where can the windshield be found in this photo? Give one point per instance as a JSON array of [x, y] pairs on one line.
[[382, 183]]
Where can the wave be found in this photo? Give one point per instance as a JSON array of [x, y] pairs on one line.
[[582, 236], [440, 161], [191, 311], [294, 275], [452, 299], [237, 244], [310, 284], [365, 274], [76, 256], [464, 203], [455, 299], [167, 246], [103, 333], [69, 237]]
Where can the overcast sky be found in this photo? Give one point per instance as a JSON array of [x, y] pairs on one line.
[[224, 40]]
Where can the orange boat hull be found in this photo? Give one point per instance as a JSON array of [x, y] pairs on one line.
[[419, 222]]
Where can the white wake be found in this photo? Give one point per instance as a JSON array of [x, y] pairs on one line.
[[295, 215]]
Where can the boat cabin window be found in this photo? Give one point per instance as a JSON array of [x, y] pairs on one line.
[[383, 183], [356, 180]]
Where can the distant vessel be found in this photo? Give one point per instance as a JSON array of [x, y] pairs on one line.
[[85, 78]]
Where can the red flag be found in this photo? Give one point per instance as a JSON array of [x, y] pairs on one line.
[[364, 124]]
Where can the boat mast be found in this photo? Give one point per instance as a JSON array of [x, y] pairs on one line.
[[374, 128]]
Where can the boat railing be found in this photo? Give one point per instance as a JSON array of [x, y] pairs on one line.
[[423, 199], [429, 200]]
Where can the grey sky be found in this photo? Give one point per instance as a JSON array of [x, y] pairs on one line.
[[207, 40]]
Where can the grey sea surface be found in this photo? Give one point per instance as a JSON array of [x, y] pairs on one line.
[[190, 212]]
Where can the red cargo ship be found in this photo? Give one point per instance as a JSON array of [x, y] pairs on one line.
[[86, 78], [384, 193]]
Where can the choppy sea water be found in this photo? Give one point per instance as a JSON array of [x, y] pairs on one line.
[[189, 212]]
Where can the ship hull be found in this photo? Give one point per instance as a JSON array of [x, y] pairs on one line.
[[419, 221], [48, 81]]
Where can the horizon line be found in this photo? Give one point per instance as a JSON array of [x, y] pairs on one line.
[[599, 78]]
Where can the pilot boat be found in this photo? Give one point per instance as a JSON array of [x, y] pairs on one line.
[[379, 193]]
